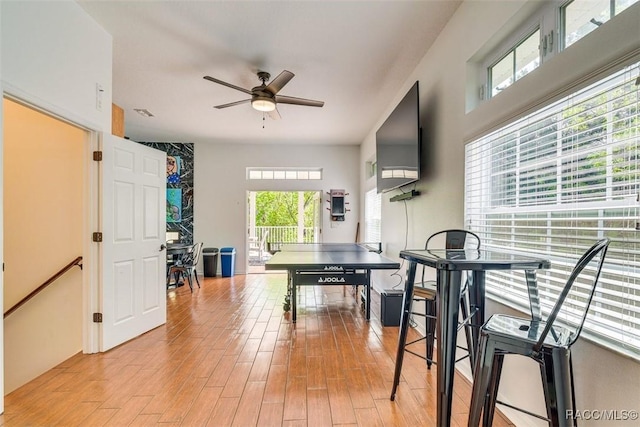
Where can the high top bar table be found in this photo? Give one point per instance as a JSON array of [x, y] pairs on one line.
[[449, 265]]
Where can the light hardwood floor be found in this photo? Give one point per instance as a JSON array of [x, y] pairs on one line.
[[229, 355]]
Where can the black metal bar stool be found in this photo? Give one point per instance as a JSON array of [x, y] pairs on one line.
[[426, 291], [548, 342]]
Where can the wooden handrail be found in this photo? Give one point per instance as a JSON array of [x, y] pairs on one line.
[[50, 280]]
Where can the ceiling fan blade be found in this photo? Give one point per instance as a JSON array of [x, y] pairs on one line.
[[298, 101], [220, 82], [275, 114], [278, 83], [231, 104]]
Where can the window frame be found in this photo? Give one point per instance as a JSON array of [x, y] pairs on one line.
[[512, 51], [549, 18], [562, 23], [283, 174]]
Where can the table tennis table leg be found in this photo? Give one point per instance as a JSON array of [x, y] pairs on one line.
[[286, 306], [368, 295]]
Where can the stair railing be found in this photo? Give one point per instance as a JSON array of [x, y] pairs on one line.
[[50, 280]]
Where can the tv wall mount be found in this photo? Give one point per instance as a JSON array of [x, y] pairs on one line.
[[405, 196]]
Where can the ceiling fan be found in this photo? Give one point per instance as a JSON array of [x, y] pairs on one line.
[[265, 97]]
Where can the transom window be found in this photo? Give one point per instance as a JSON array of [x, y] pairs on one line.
[[284, 173], [554, 182], [580, 17], [517, 63], [550, 29]]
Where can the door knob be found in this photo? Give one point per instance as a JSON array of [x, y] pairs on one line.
[[162, 247]]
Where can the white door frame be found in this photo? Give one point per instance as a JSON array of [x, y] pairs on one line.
[[2, 251], [91, 266], [90, 277], [91, 208], [250, 214]]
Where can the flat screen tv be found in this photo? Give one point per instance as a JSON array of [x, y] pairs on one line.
[[398, 144]]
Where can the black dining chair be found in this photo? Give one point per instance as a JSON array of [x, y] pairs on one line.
[[186, 265], [548, 342], [425, 291]]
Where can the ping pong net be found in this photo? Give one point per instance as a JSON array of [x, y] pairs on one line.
[[274, 247]]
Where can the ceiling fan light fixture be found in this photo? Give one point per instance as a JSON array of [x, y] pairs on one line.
[[262, 103]]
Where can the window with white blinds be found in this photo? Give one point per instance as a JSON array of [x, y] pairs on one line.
[[372, 216], [553, 183]]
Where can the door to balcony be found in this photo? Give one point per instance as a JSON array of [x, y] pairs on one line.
[[277, 217]]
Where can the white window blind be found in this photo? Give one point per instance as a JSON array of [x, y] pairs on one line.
[[373, 216], [553, 183]]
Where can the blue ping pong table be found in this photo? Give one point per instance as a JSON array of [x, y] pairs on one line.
[[310, 264]]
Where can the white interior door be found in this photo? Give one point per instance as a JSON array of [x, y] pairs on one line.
[[133, 289]]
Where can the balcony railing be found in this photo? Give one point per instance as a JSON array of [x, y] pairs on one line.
[[276, 235], [289, 234]]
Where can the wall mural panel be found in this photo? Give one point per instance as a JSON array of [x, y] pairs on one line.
[[179, 187]]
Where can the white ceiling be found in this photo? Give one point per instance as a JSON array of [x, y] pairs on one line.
[[353, 55]]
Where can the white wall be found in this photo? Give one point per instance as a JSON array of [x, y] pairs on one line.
[[604, 379], [53, 55], [441, 75], [221, 186]]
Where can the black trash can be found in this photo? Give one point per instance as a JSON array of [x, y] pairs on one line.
[[210, 259]]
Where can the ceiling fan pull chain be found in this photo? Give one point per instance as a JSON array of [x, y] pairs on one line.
[[263, 120]]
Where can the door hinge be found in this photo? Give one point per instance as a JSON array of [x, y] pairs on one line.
[[97, 237], [97, 317], [97, 156]]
